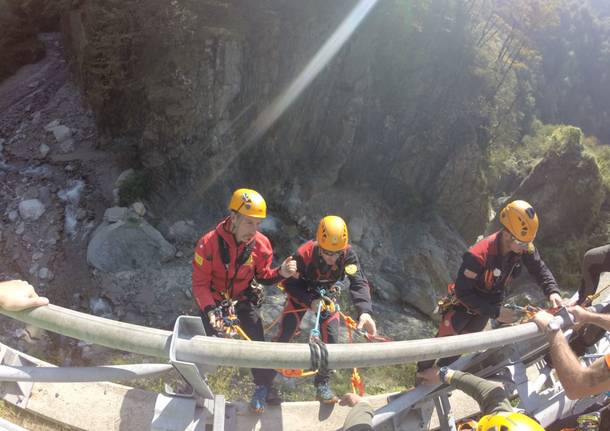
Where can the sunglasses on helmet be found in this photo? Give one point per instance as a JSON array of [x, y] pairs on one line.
[[330, 253], [245, 202], [518, 242]]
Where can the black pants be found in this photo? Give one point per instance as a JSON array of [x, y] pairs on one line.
[[456, 321], [291, 321], [252, 324], [594, 262]]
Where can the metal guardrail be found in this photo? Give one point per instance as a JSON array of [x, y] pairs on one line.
[[194, 354], [108, 373], [227, 352]]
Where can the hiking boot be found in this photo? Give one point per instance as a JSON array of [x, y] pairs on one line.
[[259, 399], [274, 396], [325, 394]]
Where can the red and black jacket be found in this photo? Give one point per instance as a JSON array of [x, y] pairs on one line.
[[314, 274], [485, 293], [212, 278]]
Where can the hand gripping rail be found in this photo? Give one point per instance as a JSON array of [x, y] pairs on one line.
[[253, 354]]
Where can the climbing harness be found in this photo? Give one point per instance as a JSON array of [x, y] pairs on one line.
[[319, 355], [225, 313]]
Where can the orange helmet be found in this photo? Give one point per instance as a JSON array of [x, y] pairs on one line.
[[248, 202], [332, 233], [520, 219]]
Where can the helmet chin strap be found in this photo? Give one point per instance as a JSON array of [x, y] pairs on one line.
[[504, 244], [237, 219]]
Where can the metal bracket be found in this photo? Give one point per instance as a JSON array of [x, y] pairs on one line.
[[418, 417], [185, 328], [17, 393], [183, 414], [444, 413]]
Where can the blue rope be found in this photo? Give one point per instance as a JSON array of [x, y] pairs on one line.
[[315, 332]]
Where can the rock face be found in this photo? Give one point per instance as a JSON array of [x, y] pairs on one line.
[[566, 188], [127, 243], [424, 258], [18, 42], [185, 82], [390, 136]]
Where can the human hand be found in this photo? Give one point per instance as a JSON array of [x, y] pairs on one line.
[[350, 399], [215, 322], [570, 302], [557, 301], [288, 268], [17, 295], [580, 314], [542, 319], [507, 315], [367, 323], [315, 304]]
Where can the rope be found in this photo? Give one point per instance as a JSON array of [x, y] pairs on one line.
[[353, 326], [320, 357], [589, 300], [277, 319], [242, 333], [314, 349], [357, 383], [315, 332]]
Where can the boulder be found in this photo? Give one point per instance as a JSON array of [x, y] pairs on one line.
[[31, 209], [123, 176], [129, 243], [114, 214], [427, 262], [139, 208], [184, 232], [51, 125], [62, 133]]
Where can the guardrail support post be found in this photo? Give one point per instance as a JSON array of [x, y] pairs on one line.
[[17, 393], [185, 328]]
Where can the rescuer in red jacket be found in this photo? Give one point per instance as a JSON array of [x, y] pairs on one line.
[[487, 268], [321, 264], [226, 261]]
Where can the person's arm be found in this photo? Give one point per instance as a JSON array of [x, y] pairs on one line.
[[265, 274], [202, 273], [359, 288], [491, 396], [543, 276], [361, 414], [17, 295], [360, 292], [577, 380], [582, 315], [465, 288], [297, 286]]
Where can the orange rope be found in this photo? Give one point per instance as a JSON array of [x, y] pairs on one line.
[[277, 319], [293, 372], [357, 383]]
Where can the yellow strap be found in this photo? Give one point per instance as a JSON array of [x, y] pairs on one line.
[[242, 333]]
